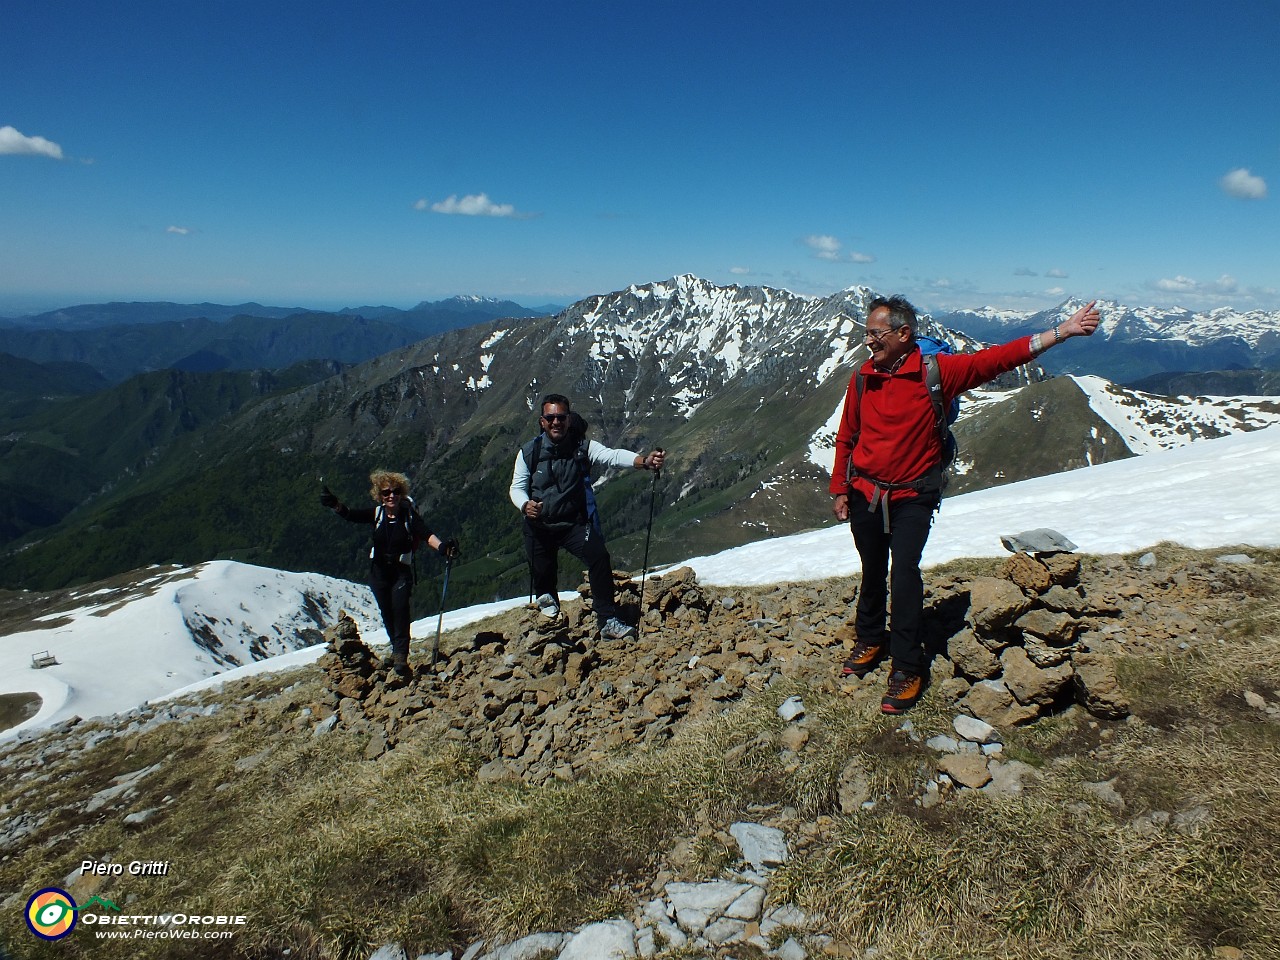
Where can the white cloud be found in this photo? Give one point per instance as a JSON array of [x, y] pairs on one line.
[[13, 142], [471, 205], [1244, 185], [826, 247], [181, 231], [1202, 294], [1057, 273], [740, 271], [1178, 284], [1055, 292]]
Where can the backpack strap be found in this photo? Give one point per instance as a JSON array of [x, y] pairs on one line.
[[933, 383]]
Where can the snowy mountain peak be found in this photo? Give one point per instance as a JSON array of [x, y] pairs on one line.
[[702, 335]]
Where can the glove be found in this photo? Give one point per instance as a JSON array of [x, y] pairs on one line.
[[449, 548], [327, 499]]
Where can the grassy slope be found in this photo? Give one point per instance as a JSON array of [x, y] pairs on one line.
[[333, 855]]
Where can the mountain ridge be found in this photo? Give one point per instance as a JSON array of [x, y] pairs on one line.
[[740, 384]]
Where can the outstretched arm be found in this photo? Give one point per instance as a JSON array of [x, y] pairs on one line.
[[1082, 323]]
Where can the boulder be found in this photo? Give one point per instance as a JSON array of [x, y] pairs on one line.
[[1051, 626]]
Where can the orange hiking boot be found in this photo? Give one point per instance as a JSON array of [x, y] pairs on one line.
[[904, 690], [862, 660]]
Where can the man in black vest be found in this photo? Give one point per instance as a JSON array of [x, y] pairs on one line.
[[547, 487]]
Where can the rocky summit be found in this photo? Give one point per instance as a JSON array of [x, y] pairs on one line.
[[543, 698]]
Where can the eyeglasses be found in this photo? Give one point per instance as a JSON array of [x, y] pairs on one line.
[[555, 417], [388, 493], [877, 336]]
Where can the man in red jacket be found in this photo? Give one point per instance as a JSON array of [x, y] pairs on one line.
[[887, 480]]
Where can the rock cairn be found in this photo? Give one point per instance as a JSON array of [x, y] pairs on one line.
[[1023, 649]]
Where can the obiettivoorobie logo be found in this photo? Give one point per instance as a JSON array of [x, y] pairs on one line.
[[51, 913]]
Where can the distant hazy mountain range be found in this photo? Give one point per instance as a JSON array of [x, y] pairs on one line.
[[122, 339], [740, 384]]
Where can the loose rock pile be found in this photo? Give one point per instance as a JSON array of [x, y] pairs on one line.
[[1024, 648], [540, 699]]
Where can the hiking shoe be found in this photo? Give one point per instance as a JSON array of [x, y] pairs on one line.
[[904, 690], [615, 629], [548, 606], [400, 668], [864, 658]]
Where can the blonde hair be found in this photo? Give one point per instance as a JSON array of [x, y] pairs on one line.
[[380, 479]]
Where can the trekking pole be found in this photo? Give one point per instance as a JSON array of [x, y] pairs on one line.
[[644, 573], [435, 645]]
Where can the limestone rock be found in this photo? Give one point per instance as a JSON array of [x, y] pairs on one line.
[[975, 730], [762, 847], [853, 788], [606, 940], [697, 904]]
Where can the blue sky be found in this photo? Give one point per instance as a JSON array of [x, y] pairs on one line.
[[341, 154]]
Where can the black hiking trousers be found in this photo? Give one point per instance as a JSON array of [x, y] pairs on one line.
[[585, 542], [909, 525], [392, 585]]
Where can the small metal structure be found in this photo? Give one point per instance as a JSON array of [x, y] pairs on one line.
[[43, 659]]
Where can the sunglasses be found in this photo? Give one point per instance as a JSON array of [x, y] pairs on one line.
[[388, 493], [555, 417]]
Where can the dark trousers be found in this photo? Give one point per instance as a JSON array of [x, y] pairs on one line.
[[909, 524], [584, 542], [392, 585]]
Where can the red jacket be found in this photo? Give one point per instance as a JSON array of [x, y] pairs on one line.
[[897, 439]]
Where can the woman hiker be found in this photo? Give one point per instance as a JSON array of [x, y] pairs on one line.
[[397, 529]]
